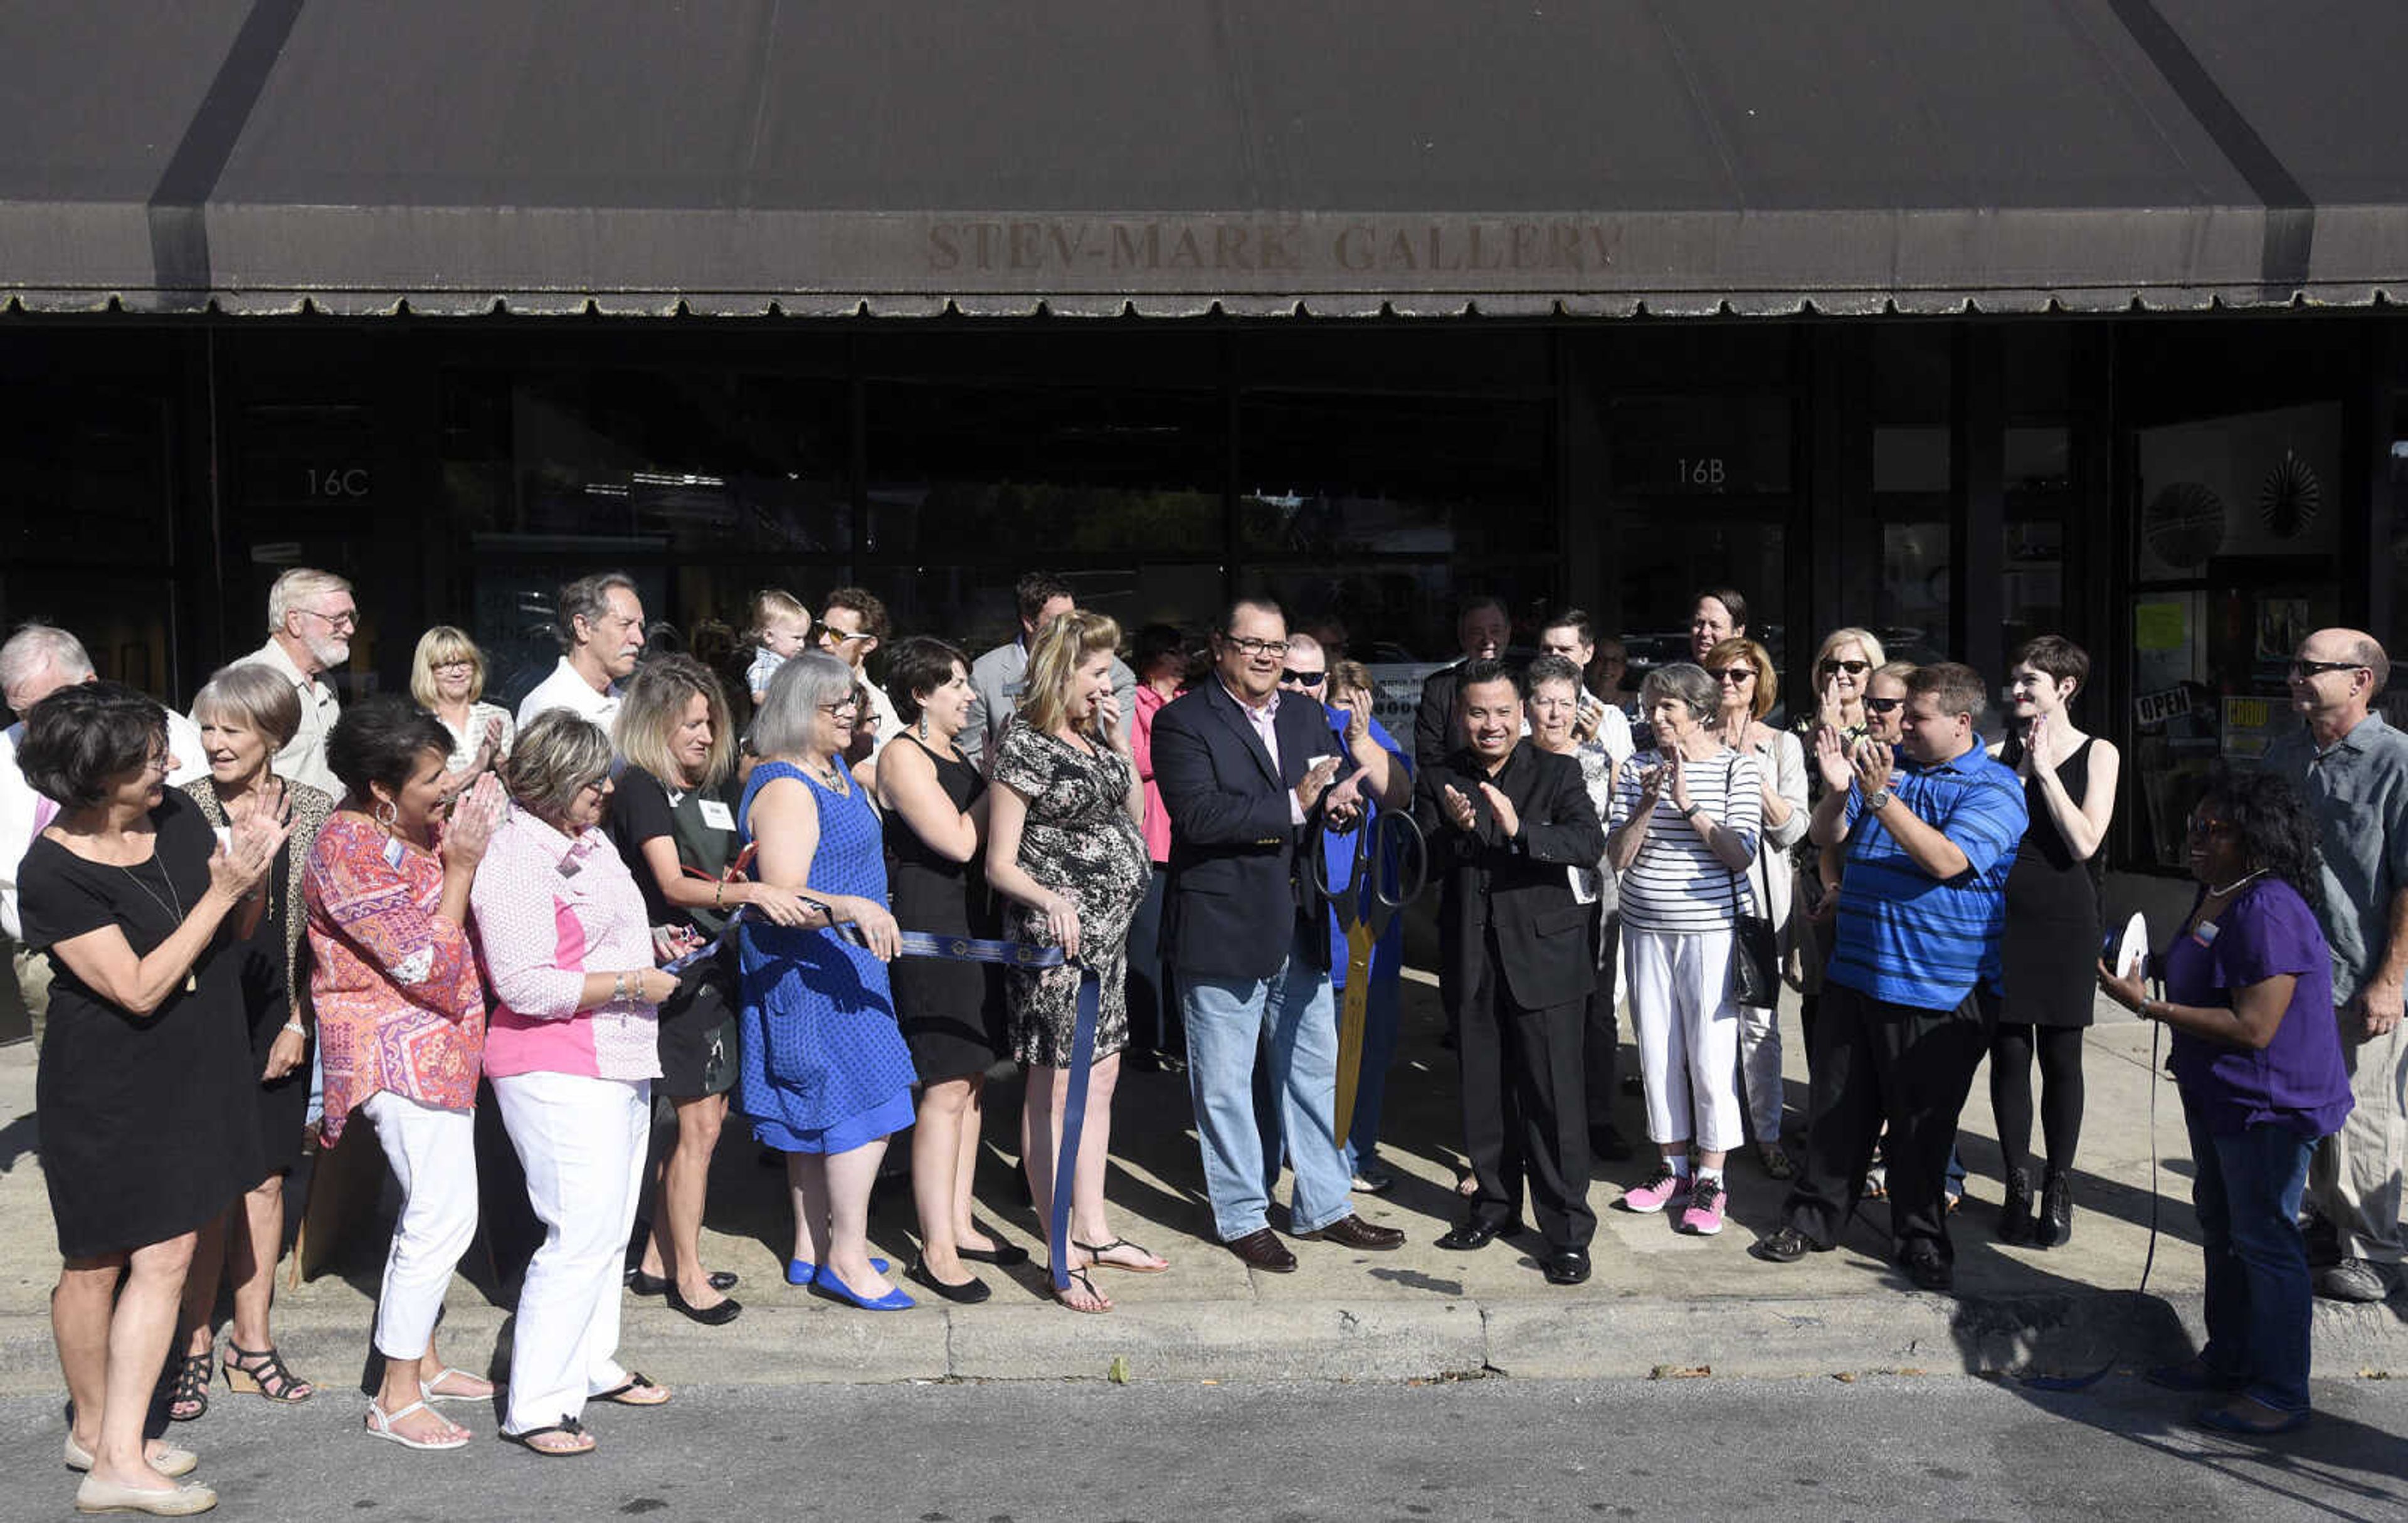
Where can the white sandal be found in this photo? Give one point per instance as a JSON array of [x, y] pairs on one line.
[[380, 1425], [426, 1387]]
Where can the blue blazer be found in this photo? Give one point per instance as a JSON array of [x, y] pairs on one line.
[[1240, 875]]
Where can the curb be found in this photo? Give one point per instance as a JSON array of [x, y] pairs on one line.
[[1530, 1337]]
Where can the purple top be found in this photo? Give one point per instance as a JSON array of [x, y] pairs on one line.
[[2298, 1081]]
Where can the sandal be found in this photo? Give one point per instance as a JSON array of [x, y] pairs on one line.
[[432, 1390], [1095, 1251], [263, 1371], [186, 1383], [578, 1440], [1877, 1183], [1080, 1282], [635, 1392], [380, 1425]]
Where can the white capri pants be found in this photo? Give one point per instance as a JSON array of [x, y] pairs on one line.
[[433, 1155], [581, 1142], [1688, 1034]]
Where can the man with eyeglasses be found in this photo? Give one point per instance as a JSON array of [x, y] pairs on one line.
[[2352, 768], [312, 617], [601, 633], [997, 677]]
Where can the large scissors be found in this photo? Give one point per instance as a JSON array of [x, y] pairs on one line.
[[1391, 864]]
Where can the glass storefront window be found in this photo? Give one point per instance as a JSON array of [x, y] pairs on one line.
[[90, 473], [1913, 368]]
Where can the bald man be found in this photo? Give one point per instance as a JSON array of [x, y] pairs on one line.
[[2352, 769]]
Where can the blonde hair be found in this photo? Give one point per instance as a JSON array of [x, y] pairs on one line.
[[1851, 635], [1055, 656], [440, 647], [1767, 686], [296, 587], [772, 604], [653, 707]]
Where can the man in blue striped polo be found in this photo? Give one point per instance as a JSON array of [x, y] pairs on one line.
[[1928, 835]]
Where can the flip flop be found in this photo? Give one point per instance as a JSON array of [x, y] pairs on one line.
[[567, 1426], [635, 1392]]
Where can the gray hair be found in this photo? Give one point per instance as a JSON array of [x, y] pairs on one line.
[[296, 587], [1684, 681], [255, 694], [38, 647], [1548, 667], [589, 599], [784, 726], [553, 758]]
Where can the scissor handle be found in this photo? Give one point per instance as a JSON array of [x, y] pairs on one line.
[[1413, 860]]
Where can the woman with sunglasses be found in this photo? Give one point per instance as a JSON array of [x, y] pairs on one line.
[[1843, 671], [1742, 672], [2053, 921]]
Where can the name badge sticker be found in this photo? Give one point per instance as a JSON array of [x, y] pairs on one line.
[[2206, 933], [716, 815]]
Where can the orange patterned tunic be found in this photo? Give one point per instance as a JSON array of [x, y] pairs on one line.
[[399, 1004]]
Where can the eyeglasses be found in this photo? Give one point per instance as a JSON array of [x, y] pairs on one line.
[[347, 619], [2312, 668], [1732, 676], [1303, 679], [1248, 647], [1883, 705], [1853, 669], [453, 666], [2201, 829], [840, 706]]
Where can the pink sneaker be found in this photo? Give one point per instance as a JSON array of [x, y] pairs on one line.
[[1703, 1215], [1660, 1187]]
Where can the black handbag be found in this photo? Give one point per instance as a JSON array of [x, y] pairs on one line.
[[1755, 960]]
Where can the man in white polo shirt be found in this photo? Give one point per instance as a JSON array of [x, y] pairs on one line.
[[310, 618], [601, 633]]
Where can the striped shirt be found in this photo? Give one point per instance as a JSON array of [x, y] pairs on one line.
[[1678, 883], [1903, 936]]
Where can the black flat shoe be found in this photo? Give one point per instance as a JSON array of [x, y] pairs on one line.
[[656, 1285], [709, 1316], [1477, 1233], [1927, 1269], [1607, 1142], [1002, 1255], [1569, 1267], [969, 1293]]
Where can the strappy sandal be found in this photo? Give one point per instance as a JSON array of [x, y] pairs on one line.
[[380, 1425], [1080, 1279], [637, 1390], [580, 1441], [1097, 1250], [431, 1391], [186, 1383], [262, 1371]]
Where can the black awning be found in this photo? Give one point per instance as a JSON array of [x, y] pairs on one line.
[[1091, 156]]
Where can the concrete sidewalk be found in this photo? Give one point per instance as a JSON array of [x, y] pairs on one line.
[[1659, 1303]]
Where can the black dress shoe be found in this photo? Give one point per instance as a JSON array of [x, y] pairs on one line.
[[1354, 1232], [1477, 1233], [1569, 1267], [969, 1293], [654, 1284], [1927, 1268], [1786, 1246], [1262, 1249], [709, 1316], [1607, 1141]]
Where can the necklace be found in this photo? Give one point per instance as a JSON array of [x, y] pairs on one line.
[[192, 977], [2236, 885]]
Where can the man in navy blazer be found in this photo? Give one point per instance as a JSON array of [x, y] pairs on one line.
[[1248, 781]]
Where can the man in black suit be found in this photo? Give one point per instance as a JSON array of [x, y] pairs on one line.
[[1504, 821], [1248, 783], [1482, 628]]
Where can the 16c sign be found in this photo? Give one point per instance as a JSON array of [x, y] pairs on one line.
[[337, 481]]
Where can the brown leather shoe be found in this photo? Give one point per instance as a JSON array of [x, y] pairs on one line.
[[1354, 1232], [1262, 1249]]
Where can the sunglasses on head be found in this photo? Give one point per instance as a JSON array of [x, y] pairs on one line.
[[1883, 705], [1303, 679], [1853, 669]]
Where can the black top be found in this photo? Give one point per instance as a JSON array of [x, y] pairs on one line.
[[702, 823]]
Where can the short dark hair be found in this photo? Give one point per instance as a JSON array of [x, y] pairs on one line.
[[1572, 619], [1480, 603], [1729, 597], [587, 598], [1492, 670], [1230, 615], [379, 739], [1156, 641], [1958, 688], [2056, 656], [1035, 589], [85, 734], [864, 602], [922, 664]]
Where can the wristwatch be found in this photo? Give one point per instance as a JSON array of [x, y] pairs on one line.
[[1878, 801]]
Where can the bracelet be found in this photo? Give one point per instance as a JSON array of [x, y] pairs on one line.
[[719, 895], [297, 1029], [618, 988]]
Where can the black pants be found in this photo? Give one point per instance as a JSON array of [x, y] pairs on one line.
[[1524, 1112], [1152, 1001], [1601, 1038], [1874, 1062]]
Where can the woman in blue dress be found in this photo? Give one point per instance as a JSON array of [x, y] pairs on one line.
[[825, 1074]]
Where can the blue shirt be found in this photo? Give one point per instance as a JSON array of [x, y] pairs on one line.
[[2357, 791], [1387, 953], [1906, 936]]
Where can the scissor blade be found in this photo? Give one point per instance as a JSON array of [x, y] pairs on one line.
[[1350, 1028]]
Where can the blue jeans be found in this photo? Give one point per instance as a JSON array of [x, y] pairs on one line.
[[1227, 1020], [1383, 1012], [2258, 1302]]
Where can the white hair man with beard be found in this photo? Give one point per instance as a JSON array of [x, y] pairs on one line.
[[310, 618]]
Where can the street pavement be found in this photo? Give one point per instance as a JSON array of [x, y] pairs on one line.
[[1659, 1301]]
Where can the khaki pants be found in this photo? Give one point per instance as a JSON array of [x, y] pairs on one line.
[[33, 985], [2354, 1178]]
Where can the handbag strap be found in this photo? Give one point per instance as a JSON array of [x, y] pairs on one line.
[[1731, 772]]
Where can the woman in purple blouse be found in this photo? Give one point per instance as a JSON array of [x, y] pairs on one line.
[[2258, 1056]]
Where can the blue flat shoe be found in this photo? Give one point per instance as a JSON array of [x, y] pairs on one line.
[[801, 1273], [829, 1285]]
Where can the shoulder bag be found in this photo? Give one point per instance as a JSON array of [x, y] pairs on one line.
[[1755, 963]]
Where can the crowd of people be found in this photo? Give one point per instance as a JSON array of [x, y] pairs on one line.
[[661, 893]]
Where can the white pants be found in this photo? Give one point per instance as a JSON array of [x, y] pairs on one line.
[[1688, 1034], [433, 1155], [581, 1143], [1760, 1061]]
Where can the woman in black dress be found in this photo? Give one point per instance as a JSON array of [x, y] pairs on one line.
[[145, 1080], [246, 714], [1066, 848], [2050, 948], [934, 806]]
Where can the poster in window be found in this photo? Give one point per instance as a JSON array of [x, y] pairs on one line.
[[2249, 484]]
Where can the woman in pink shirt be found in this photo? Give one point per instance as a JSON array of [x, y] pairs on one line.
[[401, 1025], [572, 1050]]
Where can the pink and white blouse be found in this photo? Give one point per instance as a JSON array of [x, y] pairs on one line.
[[548, 908]]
